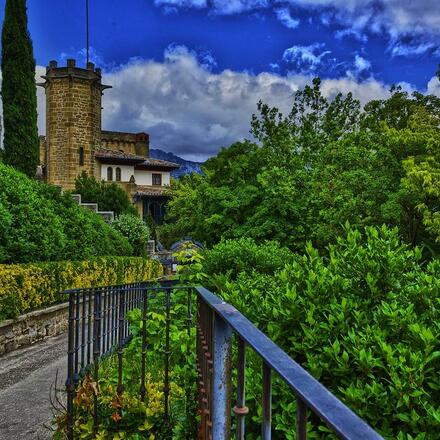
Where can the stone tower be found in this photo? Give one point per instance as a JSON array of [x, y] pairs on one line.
[[73, 121]]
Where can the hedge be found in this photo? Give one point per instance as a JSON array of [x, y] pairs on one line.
[[25, 287], [40, 223]]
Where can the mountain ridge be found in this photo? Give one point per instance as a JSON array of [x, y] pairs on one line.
[[186, 166]]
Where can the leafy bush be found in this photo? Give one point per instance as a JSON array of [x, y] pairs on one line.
[[364, 321], [24, 287], [39, 223], [134, 230], [245, 255], [108, 196]]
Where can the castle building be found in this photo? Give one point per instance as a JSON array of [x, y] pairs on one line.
[[75, 142]]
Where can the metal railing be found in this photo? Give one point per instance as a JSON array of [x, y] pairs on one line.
[[98, 327]]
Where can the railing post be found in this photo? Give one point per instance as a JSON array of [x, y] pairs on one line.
[[121, 319], [301, 420], [221, 401], [96, 352], [240, 409], [144, 341], [70, 383], [267, 402]]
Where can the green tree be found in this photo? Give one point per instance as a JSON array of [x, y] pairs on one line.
[[21, 148], [108, 196]]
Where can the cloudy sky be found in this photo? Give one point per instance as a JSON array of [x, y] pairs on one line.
[[190, 72]]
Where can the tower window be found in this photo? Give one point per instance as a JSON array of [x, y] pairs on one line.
[[81, 156], [157, 179], [109, 173], [118, 174]]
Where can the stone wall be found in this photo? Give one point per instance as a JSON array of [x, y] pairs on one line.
[[33, 327]]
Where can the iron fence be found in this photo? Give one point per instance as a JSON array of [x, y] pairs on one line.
[[98, 327]]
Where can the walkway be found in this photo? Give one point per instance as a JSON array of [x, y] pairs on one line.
[[26, 377]]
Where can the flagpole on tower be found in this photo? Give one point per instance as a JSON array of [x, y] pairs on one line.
[[87, 31]]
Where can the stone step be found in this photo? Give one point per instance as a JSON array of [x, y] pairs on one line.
[[77, 198], [92, 206], [108, 216]]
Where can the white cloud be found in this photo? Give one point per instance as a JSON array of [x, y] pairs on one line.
[[305, 58], [193, 112], [434, 86], [353, 33], [414, 49], [283, 15], [396, 18], [361, 64]]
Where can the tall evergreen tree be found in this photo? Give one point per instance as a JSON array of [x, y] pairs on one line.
[[19, 91]]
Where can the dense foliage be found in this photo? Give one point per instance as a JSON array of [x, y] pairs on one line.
[[134, 230], [19, 96], [24, 287], [40, 223], [108, 196], [364, 320], [324, 163], [232, 257]]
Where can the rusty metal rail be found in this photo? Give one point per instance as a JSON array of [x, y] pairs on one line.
[[98, 327], [217, 321]]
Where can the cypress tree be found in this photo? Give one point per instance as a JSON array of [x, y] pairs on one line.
[[19, 95]]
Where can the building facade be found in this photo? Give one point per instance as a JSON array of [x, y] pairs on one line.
[[75, 142]]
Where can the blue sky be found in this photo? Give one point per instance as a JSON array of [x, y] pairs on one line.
[[191, 71]]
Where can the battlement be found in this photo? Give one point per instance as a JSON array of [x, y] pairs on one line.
[[71, 71]]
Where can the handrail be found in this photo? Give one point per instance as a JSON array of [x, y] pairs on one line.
[[98, 327], [322, 402]]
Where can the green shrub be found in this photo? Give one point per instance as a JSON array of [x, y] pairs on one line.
[[24, 287], [364, 321], [245, 255], [134, 230], [39, 223], [108, 196]]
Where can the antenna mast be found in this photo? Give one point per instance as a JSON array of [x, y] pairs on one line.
[[87, 31]]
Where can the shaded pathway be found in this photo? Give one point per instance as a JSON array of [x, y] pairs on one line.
[[26, 376]]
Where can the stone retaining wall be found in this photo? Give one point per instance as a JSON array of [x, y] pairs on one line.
[[32, 327]]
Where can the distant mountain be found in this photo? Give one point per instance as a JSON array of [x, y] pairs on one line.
[[186, 166]]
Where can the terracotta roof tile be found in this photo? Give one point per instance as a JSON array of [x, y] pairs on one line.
[[150, 162], [115, 154], [148, 190]]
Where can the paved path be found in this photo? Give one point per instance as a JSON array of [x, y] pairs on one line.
[[26, 377]]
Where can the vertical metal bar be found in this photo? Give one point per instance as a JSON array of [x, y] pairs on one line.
[[114, 311], [77, 343], [109, 315], [301, 420], [104, 319], [266, 432], [144, 343], [240, 409], [89, 325], [167, 355], [83, 327], [70, 383], [221, 383], [96, 351], [120, 388], [188, 353]]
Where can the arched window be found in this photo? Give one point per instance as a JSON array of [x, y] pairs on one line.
[[81, 156], [109, 173], [118, 174]]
